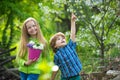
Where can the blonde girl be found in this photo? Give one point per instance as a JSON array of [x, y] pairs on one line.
[[28, 68]]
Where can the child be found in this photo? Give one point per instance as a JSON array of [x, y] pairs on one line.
[[27, 67], [65, 55]]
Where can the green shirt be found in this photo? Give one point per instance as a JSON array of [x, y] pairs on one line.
[[32, 68]]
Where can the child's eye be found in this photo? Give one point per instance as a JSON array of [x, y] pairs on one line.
[[34, 25], [28, 27], [58, 39]]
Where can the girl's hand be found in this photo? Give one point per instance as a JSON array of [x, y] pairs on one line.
[[27, 63], [73, 17]]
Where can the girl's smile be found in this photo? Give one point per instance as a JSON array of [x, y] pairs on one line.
[[31, 28]]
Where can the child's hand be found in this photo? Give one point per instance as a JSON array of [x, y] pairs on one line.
[[30, 62], [73, 17]]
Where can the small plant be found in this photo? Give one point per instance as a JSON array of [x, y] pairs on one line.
[[34, 48], [35, 44]]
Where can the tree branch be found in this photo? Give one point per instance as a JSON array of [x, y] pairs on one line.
[[7, 51], [7, 60], [102, 16], [111, 25]]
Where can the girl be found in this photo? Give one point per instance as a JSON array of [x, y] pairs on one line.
[[28, 68]]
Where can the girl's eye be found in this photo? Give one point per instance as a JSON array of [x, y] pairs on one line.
[[31, 26], [34, 25], [28, 27]]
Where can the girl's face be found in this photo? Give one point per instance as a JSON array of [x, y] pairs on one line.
[[31, 28], [60, 42]]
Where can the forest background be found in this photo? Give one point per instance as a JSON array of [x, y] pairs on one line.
[[97, 36]]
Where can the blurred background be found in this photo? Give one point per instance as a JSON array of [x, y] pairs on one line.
[[97, 36]]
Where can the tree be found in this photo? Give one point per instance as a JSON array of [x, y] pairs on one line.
[[97, 22], [101, 22]]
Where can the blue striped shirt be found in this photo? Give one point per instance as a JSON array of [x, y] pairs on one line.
[[67, 60]]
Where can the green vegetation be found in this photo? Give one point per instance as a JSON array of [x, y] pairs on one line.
[[98, 25]]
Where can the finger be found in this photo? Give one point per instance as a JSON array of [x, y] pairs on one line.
[[30, 61], [34, 59]]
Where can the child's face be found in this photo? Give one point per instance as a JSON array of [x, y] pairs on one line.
[[60, 42], [31, 28]]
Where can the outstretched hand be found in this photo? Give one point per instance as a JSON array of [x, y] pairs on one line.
[[73, 27], [73, 17]]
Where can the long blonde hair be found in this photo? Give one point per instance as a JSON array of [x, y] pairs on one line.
[[25, 36]]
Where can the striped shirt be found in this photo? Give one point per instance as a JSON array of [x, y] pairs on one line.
[[67, 60]]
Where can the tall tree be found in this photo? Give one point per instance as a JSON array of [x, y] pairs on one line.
[[98, 21]]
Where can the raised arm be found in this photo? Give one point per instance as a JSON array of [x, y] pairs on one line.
[[73, 27]]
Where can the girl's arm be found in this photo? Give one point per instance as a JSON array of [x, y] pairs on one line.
[[73, 27]]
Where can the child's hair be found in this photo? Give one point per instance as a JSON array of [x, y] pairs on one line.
[[53, 40], [25, 36]]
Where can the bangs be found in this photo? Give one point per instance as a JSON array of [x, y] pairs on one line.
[[59, 34], [56, 36]]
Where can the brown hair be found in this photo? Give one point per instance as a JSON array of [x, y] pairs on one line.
[[53, 40], [25, 36]]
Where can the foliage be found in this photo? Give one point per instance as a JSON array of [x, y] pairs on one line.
[[45, 68], [97, 26]]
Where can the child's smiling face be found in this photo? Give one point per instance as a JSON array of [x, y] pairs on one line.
[[60, 42], [31, 28]]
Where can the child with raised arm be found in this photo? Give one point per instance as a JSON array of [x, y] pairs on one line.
[[65, 56], [28, 65]]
